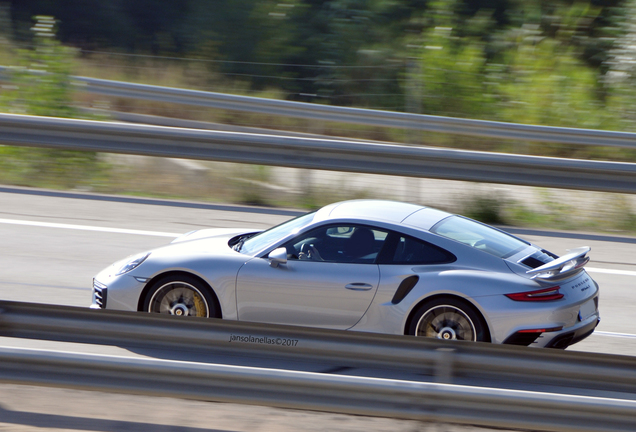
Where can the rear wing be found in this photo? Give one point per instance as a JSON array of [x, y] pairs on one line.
[[566, 266]]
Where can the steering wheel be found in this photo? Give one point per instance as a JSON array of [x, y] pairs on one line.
[[306, 250]]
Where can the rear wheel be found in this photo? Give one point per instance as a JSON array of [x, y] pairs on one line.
[[448, 319], [180, 295]]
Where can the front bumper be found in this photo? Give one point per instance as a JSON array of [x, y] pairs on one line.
[[100, 295], [116, 292]]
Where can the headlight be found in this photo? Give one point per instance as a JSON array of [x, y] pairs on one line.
[[132, 263]]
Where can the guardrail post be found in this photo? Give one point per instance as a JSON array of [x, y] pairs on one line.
[[444, 365]]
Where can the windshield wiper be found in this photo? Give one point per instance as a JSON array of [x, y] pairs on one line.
[[237, 247]]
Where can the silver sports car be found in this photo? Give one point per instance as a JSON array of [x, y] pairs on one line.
[[367, 265]]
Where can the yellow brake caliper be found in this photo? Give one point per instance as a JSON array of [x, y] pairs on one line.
[[199, 304]]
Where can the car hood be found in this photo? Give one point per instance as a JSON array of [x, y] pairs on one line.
[[189, 250], [187, 254], [214, 232], [198, 244]]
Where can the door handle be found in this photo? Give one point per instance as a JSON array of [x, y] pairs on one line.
[[359, 286]]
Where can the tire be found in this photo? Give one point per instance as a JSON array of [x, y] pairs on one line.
[[181, 295], [449, 319]]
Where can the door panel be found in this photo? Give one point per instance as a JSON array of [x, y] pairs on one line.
[[307, 293]]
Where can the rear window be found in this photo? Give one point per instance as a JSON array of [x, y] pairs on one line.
[[403, 249], [479, 236]]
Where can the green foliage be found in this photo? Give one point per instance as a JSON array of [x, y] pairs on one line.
[[558, 62], [41, 85], [50, 168], [453, 76], [251, 184], [609, 212], [537, 70], [334, 52], [520, 75], [486, 209], [496, 59], [546, 84]]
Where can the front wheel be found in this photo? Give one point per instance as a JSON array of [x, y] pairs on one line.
[[181, 295], [448, 319]]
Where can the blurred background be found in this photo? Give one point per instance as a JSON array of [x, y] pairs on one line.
[[558, 62], [569, 63]]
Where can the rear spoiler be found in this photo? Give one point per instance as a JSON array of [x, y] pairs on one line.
[[567, 265]]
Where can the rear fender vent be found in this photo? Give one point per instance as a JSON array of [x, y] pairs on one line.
[[405, 287]]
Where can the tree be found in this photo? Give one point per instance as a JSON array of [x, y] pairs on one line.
[[42, 86]]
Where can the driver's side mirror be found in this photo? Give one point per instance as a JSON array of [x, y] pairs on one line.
[[277, 257]]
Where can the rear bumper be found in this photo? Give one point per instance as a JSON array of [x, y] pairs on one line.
[[564, 340], [560, 339]]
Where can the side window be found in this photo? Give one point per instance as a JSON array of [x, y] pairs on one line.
[[409, 250], [338, 243]]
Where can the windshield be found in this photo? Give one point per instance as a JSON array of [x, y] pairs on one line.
[[262, 240], [479, 236]]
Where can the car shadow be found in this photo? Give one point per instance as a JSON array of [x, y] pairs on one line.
[[47, 421], [243, 359]]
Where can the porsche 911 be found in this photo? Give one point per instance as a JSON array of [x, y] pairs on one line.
[[371, 266]]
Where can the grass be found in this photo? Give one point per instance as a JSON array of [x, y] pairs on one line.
[[602, 212], [248, 184], [197, 76], [257, 185]]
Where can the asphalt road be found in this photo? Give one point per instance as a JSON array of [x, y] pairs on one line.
[[52, 243]]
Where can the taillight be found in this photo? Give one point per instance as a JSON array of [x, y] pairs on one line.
[[538, 295]]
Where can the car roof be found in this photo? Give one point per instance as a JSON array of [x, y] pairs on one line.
[[383, 210]]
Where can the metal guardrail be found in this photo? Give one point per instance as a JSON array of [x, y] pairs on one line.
[[445, 361], [324, 154], [471, 127], [490, 129], [490, 407], [305, 390], [355, 395]]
